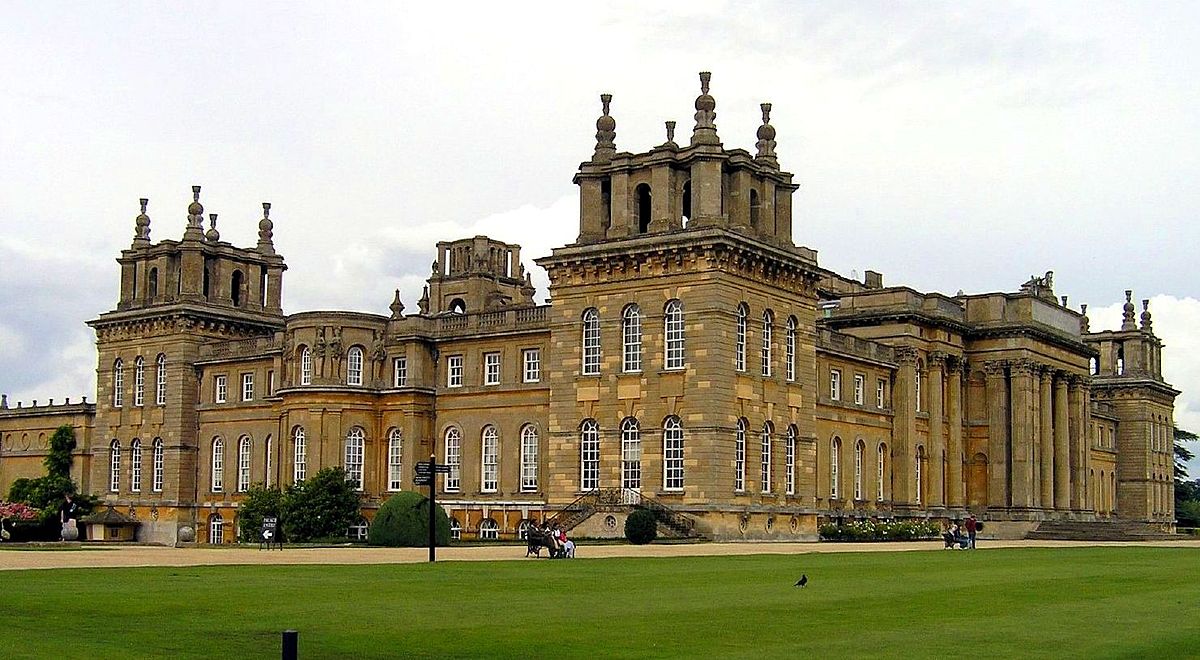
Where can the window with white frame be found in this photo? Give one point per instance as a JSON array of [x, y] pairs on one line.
[[216, 529], [455, 528], [488, 530], [453, 481], [491, 368], [917, 380], [270, 382], [790, 461], [160, 380], [631, 339], [673, 326], [672, 454], [454, 371], [400, 371], [523, 529], [765, 455], [395, 456], [768, 330], [631, 454], [299, 455], [247, 387], [139, 381], [118, 383], [739, 456], [355, 438], [243, 474], [860, 386], [589, 455], [218, 465], [918, 459], [591, 342], [531, 365], [156, 457], [354, 366], [135, 466], [790, 349], [220, 389], [529, 459], [881, 394], [835, 385], [114, 466], [835, 454], [739, 347], [858, 470], [490, 463], [306, 366], [267, 462], [880, 466]]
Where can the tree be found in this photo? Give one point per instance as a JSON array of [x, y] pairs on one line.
[[58, 461], [403, 521], [321, 507], [641, 527], [1182, 455], [260, 502], [48, 492]]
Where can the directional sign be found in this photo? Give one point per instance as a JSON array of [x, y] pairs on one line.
[[422, 480], [422, 467], [443, 469]]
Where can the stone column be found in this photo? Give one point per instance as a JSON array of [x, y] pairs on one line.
[[1077, 388], [1022, 394], [955, 486], [904, 427], [1048, 460], [997, 405], [1063, 491], [937, 437]]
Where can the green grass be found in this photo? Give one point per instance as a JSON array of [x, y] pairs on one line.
[[1076, 602]]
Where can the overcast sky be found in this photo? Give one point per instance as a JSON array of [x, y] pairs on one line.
[[964, 145]]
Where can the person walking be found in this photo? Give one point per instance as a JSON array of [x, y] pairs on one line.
[[972, 528]]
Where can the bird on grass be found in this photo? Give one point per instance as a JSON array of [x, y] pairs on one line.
[[803, 581]]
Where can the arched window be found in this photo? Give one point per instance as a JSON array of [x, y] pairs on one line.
[[218, 465], [631, 338], [135, 466], [920, 368], [631, 454], [835, 454], [395, 454], [1093, 366], [523, 529], [490, 463], [918, 460], [673, 325], [880, 471], [453, 458], [672, 454], [791, 459], [235, 288], [644, 201], [790, 349], [354, 456], [305, 365], [591, 341], [114, 466], [858, 469], [139, 381], [755, 208], [216, 529], [686, 211], [767, 331], [765, 454], [488, 530], [160, 380], [589, 455], [243, 477], [354, 366], [739, 350], [739, 456], [299, 455], [153, 281], [458, 306], [118, 383], [529, 459], [156, 479], [455, 528]]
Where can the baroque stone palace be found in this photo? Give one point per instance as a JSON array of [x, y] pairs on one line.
[[694, 358]]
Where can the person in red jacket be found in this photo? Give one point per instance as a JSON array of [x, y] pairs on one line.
[[972, 527]]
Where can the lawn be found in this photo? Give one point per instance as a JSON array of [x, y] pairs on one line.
[[1076, 602]]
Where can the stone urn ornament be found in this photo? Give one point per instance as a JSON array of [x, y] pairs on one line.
[[70, 531]]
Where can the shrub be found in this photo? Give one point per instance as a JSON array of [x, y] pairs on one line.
[[1187, 513], [883, 530], [260, 503], [325, 505], [403, 521], [641, 527]]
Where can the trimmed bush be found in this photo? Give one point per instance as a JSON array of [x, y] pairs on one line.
[[883, 530], [403, 521], [641, 527], [323, 506]]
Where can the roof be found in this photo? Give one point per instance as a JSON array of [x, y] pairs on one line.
[[109, 516]]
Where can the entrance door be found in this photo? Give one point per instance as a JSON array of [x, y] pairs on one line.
[[631, 462], [977, 481]]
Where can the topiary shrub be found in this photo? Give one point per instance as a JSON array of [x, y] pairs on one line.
[[403, 521], [641, 527]]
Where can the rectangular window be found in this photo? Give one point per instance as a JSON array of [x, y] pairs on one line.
[[491, 368], [860, 384], [219, 388], [881, 394], [454, 371], [835, 385], [400, 372], [270, 383], [247, 387], [531, 359]]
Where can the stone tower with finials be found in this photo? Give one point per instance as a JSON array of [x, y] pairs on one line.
[[644, 322], [174, 296], [1127, 380]]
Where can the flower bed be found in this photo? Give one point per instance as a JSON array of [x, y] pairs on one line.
[[18, 511], [882, 530]]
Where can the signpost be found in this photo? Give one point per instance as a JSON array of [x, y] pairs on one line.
[[270, 533], [424, 474]]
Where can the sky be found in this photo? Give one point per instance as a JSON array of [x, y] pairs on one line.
[[956, 145]]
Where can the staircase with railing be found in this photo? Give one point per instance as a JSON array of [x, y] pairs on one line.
[[622, 499]]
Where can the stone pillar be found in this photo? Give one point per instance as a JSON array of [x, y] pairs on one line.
[[997, 405], [937, 437], [955, 486], [1063, 478], [1022, 393], [904, 427], [1078, 440], [1048, 459]]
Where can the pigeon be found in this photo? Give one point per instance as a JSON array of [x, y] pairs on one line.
[[802, 581]]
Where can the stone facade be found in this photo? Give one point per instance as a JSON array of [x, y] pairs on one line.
[[693, 355]]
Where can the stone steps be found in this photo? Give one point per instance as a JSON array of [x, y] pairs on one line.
[[1069, 530]]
